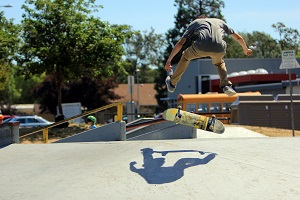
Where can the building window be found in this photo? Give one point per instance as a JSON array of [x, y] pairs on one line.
[[203, 108], [226, 107], [191, 107], [215, 107]]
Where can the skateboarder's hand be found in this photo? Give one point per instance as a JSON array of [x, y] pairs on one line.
[[168, 66], [248, 52], [132, 163]]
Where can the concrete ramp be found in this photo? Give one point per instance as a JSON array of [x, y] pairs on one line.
[[162, 131], [116, 131], [242, 168], [111, 132]]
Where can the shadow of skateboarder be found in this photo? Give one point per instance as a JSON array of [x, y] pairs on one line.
[[154, 172]]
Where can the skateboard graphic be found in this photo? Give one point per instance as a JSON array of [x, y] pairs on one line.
[[194, 120]]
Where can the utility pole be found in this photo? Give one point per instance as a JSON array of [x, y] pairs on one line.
[[138, 91]]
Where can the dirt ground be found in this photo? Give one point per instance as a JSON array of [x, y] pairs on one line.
[[58, 133], [271, 132], [53, 135]]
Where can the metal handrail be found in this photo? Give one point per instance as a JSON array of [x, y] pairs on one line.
[[118, 117]]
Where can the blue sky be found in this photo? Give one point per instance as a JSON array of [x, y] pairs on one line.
[[242, 16]]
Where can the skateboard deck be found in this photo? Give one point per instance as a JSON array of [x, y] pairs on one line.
[[194, 120]]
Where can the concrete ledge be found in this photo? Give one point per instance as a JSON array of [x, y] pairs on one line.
[[111, 132], [9, 133], [162, 131]]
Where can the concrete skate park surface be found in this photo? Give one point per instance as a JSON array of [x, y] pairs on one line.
[[228, 166]]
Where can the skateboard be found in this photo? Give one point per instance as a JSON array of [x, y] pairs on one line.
[[194, 120]]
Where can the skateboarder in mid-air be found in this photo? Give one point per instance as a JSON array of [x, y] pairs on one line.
[[209, 42]]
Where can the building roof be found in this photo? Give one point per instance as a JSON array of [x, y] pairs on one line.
[[146, 93], [252, 80], [210, 97]]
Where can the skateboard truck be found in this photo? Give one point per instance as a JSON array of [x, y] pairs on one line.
[[178, 112], [211, 123]]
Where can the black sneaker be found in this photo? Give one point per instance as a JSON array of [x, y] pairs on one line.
[[170, 86]]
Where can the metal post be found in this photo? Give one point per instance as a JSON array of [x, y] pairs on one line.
[[130, 110], [118, 118], [15, 131], [45, 135], [291, 107], [289, 62], [138, 92]]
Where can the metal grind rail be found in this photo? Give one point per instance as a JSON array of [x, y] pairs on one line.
[[160, 129], [140, 124], [45, 130]]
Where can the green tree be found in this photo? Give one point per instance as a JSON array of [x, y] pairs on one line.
[[161, 91], [9, 94], [234, 50], [9, 33], [144, 51], [25, 88], [8, 47], [13, 88], [62, 39], [91, 92], [264, 45], [289, 37], [46, 93]]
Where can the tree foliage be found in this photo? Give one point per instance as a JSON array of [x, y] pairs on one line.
[[264, 45], [91, 92], [8, 47], [161, 91], [234, 50], [143, 52], [10, 93], [25, 88], [62, 39], [289, 37]]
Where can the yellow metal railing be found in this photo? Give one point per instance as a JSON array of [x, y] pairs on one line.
[[117, 118]]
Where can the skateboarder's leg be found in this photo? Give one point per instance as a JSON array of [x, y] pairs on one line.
[[188, 55], [217, 60], [225, 84]]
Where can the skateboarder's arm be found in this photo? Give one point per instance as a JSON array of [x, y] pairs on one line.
[[175, 50], [132, 167], [242, 42]]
